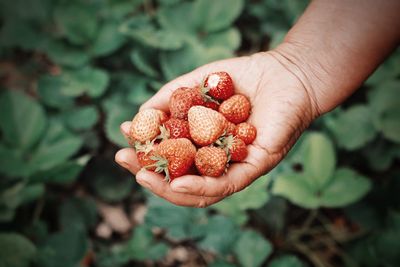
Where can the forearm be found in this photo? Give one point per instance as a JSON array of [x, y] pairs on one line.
[[336, 45]]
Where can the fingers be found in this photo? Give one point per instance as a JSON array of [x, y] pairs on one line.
[[237, 178], [155, 182], [126, 157]]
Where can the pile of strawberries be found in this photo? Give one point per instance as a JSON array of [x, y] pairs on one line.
[[205, 130]]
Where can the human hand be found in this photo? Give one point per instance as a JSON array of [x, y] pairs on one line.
[[282, 107]]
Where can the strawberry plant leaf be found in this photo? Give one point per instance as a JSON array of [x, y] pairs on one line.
[[141, 246], [22, 120], [385, 106], [352, 128], [78, 212], [170, 18], [57, 145], [319, 159], [184, 224], [211, 16], [296, 188], [108, 40], [81, 118], [229, 39], [16, 250], [220, 235], [49, 89], [251, 249], [114, 117], [252, 197], [347, 184], [63, 249], [78, 22], [64, 54], [91, 81]]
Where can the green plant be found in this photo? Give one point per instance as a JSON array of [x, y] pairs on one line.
[[72, 71]]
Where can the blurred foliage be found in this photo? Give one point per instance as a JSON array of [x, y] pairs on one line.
[[72, 71]]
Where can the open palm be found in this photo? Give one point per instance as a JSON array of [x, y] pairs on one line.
[[281, 109]]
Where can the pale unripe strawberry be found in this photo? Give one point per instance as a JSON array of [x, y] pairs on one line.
[[205, 125]]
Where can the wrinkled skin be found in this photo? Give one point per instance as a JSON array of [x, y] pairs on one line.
[[282, 107]]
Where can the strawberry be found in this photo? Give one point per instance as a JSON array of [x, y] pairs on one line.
[[182, 99], [144, 153], [163, 116], [176, 128], [230, 128], [205, 125], [211, 161], [246, 132], [234, 147], [237, 150], [211, 104], [218, 85], [236, 109], [145, 126], [175, 157]]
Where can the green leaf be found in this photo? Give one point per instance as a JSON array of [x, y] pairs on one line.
[[114, 118], [273, 215], [352, 128], [81, 118], [143, 59], [49, 89], [108, 181], [319, 159], [184, 224], [12, 162], [170, 18], [385, 107], [65, 173], [346, 187], [251, 249], [16, 250], [108, 40], [64, 54], [77, 22], [220, 235], [215, 15], [91, 81], [229, 38], [286, 261], [143, 247], [296, 188], [78, 212], [195, 55], [22, 120], [64, 249], [252, 197], [56, 146]]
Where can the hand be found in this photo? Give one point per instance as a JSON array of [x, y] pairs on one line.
[[282, 108]]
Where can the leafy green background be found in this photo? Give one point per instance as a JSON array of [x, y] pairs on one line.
[[72, 70]]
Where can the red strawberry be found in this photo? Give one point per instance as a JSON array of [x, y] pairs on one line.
[[175, 157], [237, 150], [163, 116], [182, 99], [211, 104], [211, 161], [246, 132], [145, 126], [205, 125], [219, 85], [144, 153], [176, 128], [236, 109], [230, 128]]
